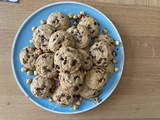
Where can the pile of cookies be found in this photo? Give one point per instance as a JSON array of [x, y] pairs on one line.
[[64, 62]]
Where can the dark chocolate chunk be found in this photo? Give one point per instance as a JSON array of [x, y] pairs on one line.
[[74, 62]]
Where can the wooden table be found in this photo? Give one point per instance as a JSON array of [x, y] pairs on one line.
[[138, 93]]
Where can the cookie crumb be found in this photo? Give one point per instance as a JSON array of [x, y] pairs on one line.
[[79, 16], [35, 73], [29, 81], [82, 12], [39, 52], [70, 15], [34, 28], [29, 72], [50, 100], [75, 107], [117, 43], [116, 69], [96, 99], [105, 31], [43, 22], [114, 61], [75, 17], [78, 102], [31, 41], [23, 69]]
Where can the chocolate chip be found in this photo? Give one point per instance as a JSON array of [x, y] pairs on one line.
[[76, 89], [93, 31], [100, 48], [62, 95], [50, 90], [54, 39], [89, 27], [101, 80], [62, 59], [59, 99], [66, 71], [27, 50], [28, 56], [57, 67], [76, 77], [65, 61], [80, 85], [100, 59], [74, 62], [24, 61], [96, 44], [88, 58], [59, 42], [95, 23], [94, 94], [98, 62], [72, 32], [68, 97], [69, 50], [98, 24], [105, 59]]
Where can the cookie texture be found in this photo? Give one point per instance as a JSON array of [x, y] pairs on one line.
[[28, 57], [71, 83], [101, 53], [41, 37], [45, 65], [67, 59], [60, 38], [62, 98], [42, 87], [87, 92], [81, 35], [86, 59], [107, 38], [96, 78], [59, 20], [91, 23]]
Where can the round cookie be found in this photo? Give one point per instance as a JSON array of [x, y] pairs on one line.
[[59, 20], [62, 98], [110, 69], [87, 92], [41, 37], [28, 57], [45, 65], [42, 87], [86, 59], [101, 53], [67, 59], [71, 83], [91, 23], [96, 78], [60, 38], [81, 35], [107, 38]]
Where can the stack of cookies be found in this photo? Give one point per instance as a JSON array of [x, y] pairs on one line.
[[64, 62]]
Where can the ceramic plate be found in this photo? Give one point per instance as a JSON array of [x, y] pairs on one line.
[[24, 34]]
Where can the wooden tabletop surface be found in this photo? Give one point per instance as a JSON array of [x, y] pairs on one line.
[[137, 96]]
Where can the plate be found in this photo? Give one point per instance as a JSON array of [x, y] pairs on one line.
[[24, 34]]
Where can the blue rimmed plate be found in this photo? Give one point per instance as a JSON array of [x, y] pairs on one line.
[[24, 34]]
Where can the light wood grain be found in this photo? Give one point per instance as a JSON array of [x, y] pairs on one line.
[[138, 93]]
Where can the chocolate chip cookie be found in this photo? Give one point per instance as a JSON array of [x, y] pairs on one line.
[[101, 53], [59, 20], [91, 23], [41, 37], [45, 65], [60, 38], [86, 59], [28, 57], [62, 98], [107, 38], [67, 59], [81, 35], [71, 83], [42, 87], [87, 92], [96, 78]]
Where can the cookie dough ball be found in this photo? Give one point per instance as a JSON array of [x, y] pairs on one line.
[[60, 38], [41, 37], [67, 59], [45, 65], [101, 53], [91, 23], [96, 78], [28, 57], [71, 83], [110, 69], [107, 38], [59, 20], [62, 98], [87, 92], [42, 87], [86, 59], [81, 35]]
